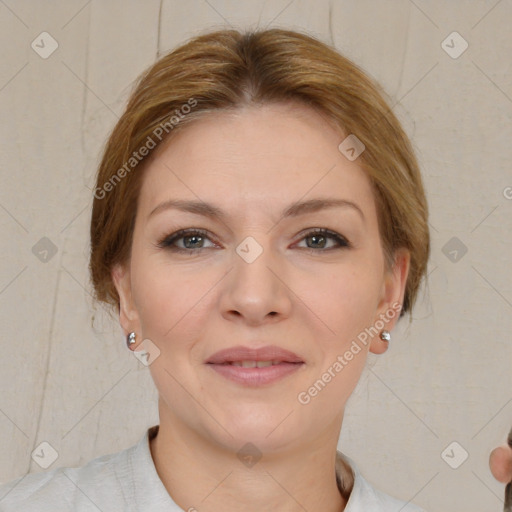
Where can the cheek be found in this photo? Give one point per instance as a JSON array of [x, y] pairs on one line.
[[172, 308], [157, 294], [154, 299], [346, 302], [345, 299], [171, 302]]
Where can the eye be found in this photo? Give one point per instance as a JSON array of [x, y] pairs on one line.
[[193, 240], [320, 238]]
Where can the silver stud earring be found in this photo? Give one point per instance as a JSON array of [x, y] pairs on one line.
[[130, 339], [385, 336]]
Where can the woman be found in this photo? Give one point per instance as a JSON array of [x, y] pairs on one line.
[[260, 224]]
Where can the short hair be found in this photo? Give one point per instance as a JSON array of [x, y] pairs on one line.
[[225, 70]]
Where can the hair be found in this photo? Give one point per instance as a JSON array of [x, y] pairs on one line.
[[225, 70]]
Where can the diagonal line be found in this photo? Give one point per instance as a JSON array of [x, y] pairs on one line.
[[198, 403], [390, 108], [3, 3], [74, 218], [484, 219], [13, 218], [76, 485], [305, 194], [14, 76], [333, 332], [433, 227], [403, 402], [206, 1], [501, 500], [485, 15], [282, 421], [75, 279], [492, 286], [75, 15], [14, 486], [279, 13], [405, 504], [200, 299], [13, 279], [104, 395], [433, 270], [215, 488], [89, 89], [13, 423], [491, 419], [416, 84], [286, 491], [424, 13], [492, 81]]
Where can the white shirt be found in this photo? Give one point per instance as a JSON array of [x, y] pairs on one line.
[[128, 481]]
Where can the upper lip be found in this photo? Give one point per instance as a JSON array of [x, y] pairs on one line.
[[241, 353]]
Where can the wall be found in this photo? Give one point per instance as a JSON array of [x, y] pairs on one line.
[[66, 376]]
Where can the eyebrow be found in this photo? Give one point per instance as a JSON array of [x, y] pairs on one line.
[[294, 210]]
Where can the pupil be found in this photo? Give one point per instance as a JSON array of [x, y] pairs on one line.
[[192, 237], [318, 237]]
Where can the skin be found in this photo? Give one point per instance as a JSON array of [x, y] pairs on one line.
[[500, 462], [298, 294]]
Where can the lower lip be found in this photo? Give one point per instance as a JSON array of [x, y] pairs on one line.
[[256, 376]]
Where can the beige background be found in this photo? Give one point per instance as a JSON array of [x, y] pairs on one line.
[[447, 377]]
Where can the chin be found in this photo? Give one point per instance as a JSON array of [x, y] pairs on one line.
[[268, 434]]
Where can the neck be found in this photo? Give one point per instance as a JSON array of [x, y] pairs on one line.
[[201, 475]]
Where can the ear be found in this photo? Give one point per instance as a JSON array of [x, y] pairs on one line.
[[128, 314], [393, 291]]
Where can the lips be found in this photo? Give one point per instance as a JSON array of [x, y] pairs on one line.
[[255, 367], [247, 356]]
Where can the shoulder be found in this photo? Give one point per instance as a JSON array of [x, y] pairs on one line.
[[99, 483], [364, 497]]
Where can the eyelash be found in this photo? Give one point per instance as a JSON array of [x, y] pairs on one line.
[[168, 241]]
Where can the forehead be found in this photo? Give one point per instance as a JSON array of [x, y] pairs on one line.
[[255, 157]]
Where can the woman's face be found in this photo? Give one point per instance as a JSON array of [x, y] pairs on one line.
[[257, 275]]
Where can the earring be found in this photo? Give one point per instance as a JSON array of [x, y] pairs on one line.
[[130, 339], [385, 336]]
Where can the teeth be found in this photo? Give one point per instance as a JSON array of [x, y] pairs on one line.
[[261, 364], [254, 364]]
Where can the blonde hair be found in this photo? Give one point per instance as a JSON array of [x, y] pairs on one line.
[[227, 69]]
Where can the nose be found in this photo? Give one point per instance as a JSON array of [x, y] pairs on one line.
[[255, 290]]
